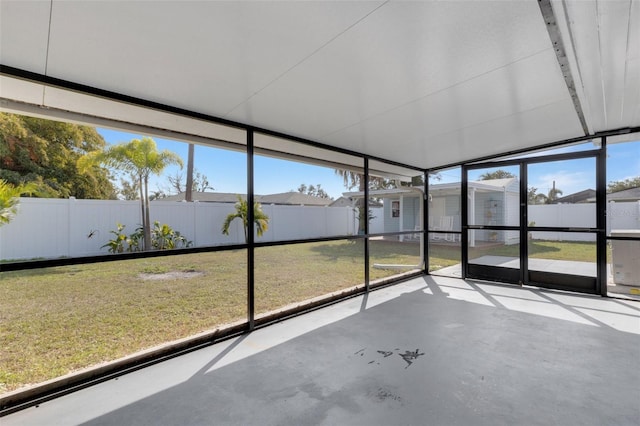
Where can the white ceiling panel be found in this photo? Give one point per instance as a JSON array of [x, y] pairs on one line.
[[605, 36], [425, 83], [617, 41], [401, 53], [206, 56], [552, 122], [631, 104], [24, 28], [504, 93]]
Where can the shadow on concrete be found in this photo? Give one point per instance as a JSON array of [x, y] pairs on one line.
[[477, 362]]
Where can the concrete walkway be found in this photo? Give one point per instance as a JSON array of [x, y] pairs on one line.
[[587, 269]]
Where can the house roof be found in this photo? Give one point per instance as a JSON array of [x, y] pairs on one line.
[[386, 193], [631, 194], [585, 196], [342, 202], [486, 185], [294, 198], [284, 198], [206, 197], [499, 183]]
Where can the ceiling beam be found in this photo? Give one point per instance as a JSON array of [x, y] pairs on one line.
[[561, 54]]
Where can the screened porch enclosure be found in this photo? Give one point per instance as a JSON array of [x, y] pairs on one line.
[[350, 147]]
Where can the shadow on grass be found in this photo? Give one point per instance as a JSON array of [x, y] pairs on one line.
[[54, 270], [540, 248], [334, 251], [355, 249]]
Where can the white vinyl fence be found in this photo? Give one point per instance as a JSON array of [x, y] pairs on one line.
[[623, 215], [50, 228]]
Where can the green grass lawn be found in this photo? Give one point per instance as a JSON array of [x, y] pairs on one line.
[[442, 255], [57, 320]]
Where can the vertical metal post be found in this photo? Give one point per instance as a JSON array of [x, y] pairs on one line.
[[524, 224], [464, 237], [425, 222], [250, 234], [601, 218], [365, 217]]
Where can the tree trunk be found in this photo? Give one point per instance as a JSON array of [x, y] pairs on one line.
[[146, 225], [364, 216], [188, 192], [142, 208]]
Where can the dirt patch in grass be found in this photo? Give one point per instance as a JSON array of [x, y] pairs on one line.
[[171, 275]]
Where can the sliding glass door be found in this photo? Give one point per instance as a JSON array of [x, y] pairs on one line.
[[561, 224], [533, 221], [493, 223]]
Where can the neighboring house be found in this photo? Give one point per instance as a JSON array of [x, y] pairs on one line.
[[589, 196], [631, 194], [284, 198], [586, 196], [400, 208], [294, 198], [205, 197], [494, 202], [342, 202]]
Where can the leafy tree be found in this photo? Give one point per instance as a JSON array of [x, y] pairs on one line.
[[535, 197], [45, 154], [352, 179], [419, 180], [129, 188], [199, 183], [157, 195], [139, 158], [621, 185], [9, 199], [260, 219], [315, 191], [498, 174]]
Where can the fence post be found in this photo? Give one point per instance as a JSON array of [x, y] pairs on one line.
[[194, 222], [69, 222]]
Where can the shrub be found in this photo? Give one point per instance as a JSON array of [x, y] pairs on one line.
[[163, 237]]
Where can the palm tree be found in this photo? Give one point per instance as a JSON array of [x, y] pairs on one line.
[[242, 212], [9, 199], [553, 193], [141, 159]]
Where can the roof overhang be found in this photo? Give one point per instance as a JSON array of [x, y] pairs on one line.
[[421, 83]]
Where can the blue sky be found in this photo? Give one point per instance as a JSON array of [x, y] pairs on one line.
[[623, 162], [226, 170]]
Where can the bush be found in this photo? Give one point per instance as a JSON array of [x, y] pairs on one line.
[[163, 237]]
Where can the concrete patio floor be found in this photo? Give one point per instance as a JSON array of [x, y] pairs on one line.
[[432, 350]]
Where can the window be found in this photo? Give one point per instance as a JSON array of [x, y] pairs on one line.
[[395, 209]]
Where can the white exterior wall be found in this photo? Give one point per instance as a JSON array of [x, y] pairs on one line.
[[512, 216]]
